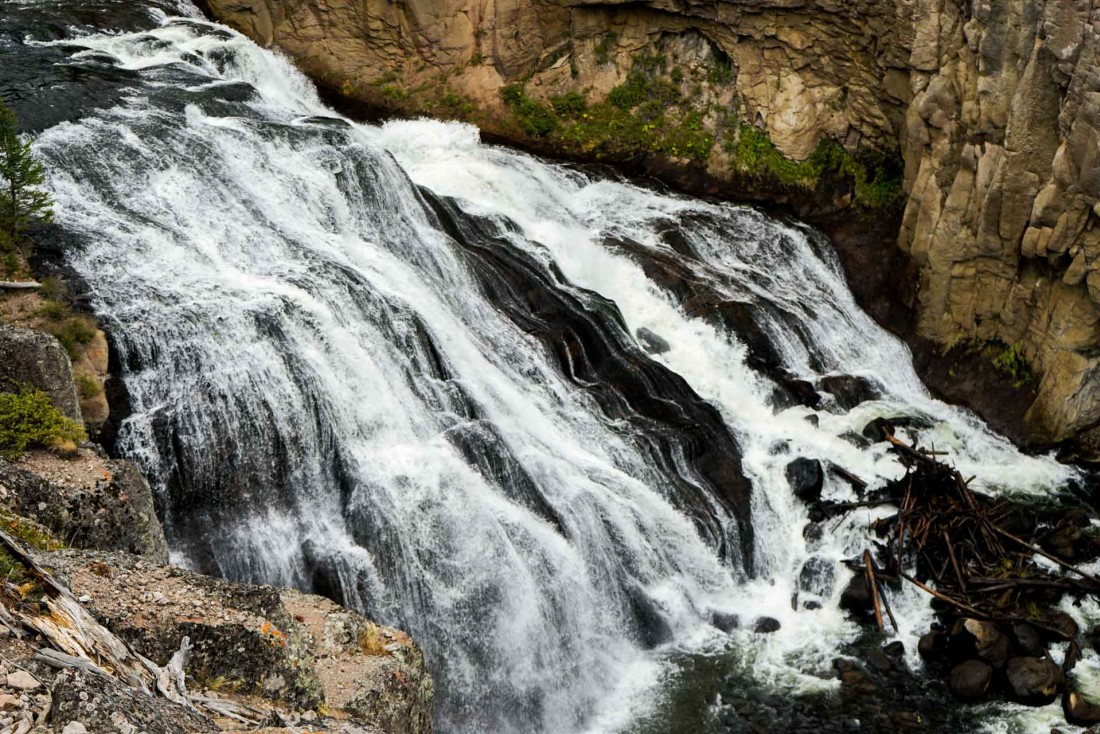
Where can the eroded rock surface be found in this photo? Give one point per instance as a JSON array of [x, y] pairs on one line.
[[36, 359]]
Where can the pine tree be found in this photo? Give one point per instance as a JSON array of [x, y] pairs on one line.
[[22, 203]]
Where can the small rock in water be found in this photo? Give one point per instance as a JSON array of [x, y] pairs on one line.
[[725, 621], [856, 597], [894, 649], [1027, 638], [766, 625], [651, 342], [970, 680], [855, 439], [878, 430], [806, 478], [22, 680], [1080, 711], [932, 644], [849, 390], [1034, 681]]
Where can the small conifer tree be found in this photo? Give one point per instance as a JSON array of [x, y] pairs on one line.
[[22, 203]]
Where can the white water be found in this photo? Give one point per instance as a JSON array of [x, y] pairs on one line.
[[270, 277]]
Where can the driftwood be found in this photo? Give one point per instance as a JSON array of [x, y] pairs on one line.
[[18, 285], [80, 641], [947, 539]]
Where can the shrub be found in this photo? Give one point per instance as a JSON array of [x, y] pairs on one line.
[[535, 119], [88, 386], [569, 105], [603, 48], [53, 310], [29, 420], [73, 332], [1012, 363]]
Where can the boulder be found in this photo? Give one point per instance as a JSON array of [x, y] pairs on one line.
[[302, 650], [856, 597], [103, 704], [932, 645], [651, 342], [766, 625], [1078, 710], [1034, 681], [817, 576], [970, 680], [87, 500], [806, 478], [848, 390], [37, 359], [878, 430], [725, 621], [1027, 640], [980, 638]]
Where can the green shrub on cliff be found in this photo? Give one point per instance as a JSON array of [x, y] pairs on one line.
[[29, 420], [536, 119]]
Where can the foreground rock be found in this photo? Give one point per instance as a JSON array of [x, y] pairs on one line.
[[37, 359], [302, 651], [86, 501]]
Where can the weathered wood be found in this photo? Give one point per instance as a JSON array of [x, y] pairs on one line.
[[18, 285], [869, 569], [1048, 556]]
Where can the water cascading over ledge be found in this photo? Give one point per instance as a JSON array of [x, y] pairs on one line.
[[403, 368]]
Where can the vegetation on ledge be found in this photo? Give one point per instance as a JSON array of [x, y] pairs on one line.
[[29, 420]]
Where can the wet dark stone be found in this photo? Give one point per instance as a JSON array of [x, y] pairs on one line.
[[849, 390], [806, 477], [894, 649], [856, 597], [1027, 639], [799, 392], [653, 628], [766, 625], [970, 680], [817, 513], [856, 440], [879, 660], [725, 621], [1079, 711], [973, 637], [1033, 681], [878, 430], [651, 342], [1063, 625], [817, 576], [813, 532], [811, 605], [932, 645], [813, 420]]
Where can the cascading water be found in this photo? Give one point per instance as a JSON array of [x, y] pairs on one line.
[[409, 370]]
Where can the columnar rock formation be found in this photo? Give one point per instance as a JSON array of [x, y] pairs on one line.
[[992, 106]]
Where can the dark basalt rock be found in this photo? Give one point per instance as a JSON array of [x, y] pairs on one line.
[[806, 477], [856, 597], [932, 645], [1027, 639], [856, 440], [1080, 711], [878, 430], [651, 342], [725, 621], [817, 576], [1034, 681], [848, 390], [970, 680], [766, 625]]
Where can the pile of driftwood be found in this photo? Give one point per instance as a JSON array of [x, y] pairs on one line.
[[973, 552]]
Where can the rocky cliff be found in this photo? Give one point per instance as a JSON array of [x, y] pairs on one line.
[[976, 119]]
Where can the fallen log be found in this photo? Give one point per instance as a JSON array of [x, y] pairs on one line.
[[19, 285]]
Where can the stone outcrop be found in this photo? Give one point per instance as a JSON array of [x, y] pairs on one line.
[[86, 501], [991, 106], [294, 649], [36, 359]]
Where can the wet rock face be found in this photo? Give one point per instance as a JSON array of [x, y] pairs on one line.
[[993, 105], [38, 360]]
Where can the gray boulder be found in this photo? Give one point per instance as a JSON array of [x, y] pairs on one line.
[[37, 359]]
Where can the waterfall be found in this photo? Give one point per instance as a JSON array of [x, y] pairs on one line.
[[536, 416]]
